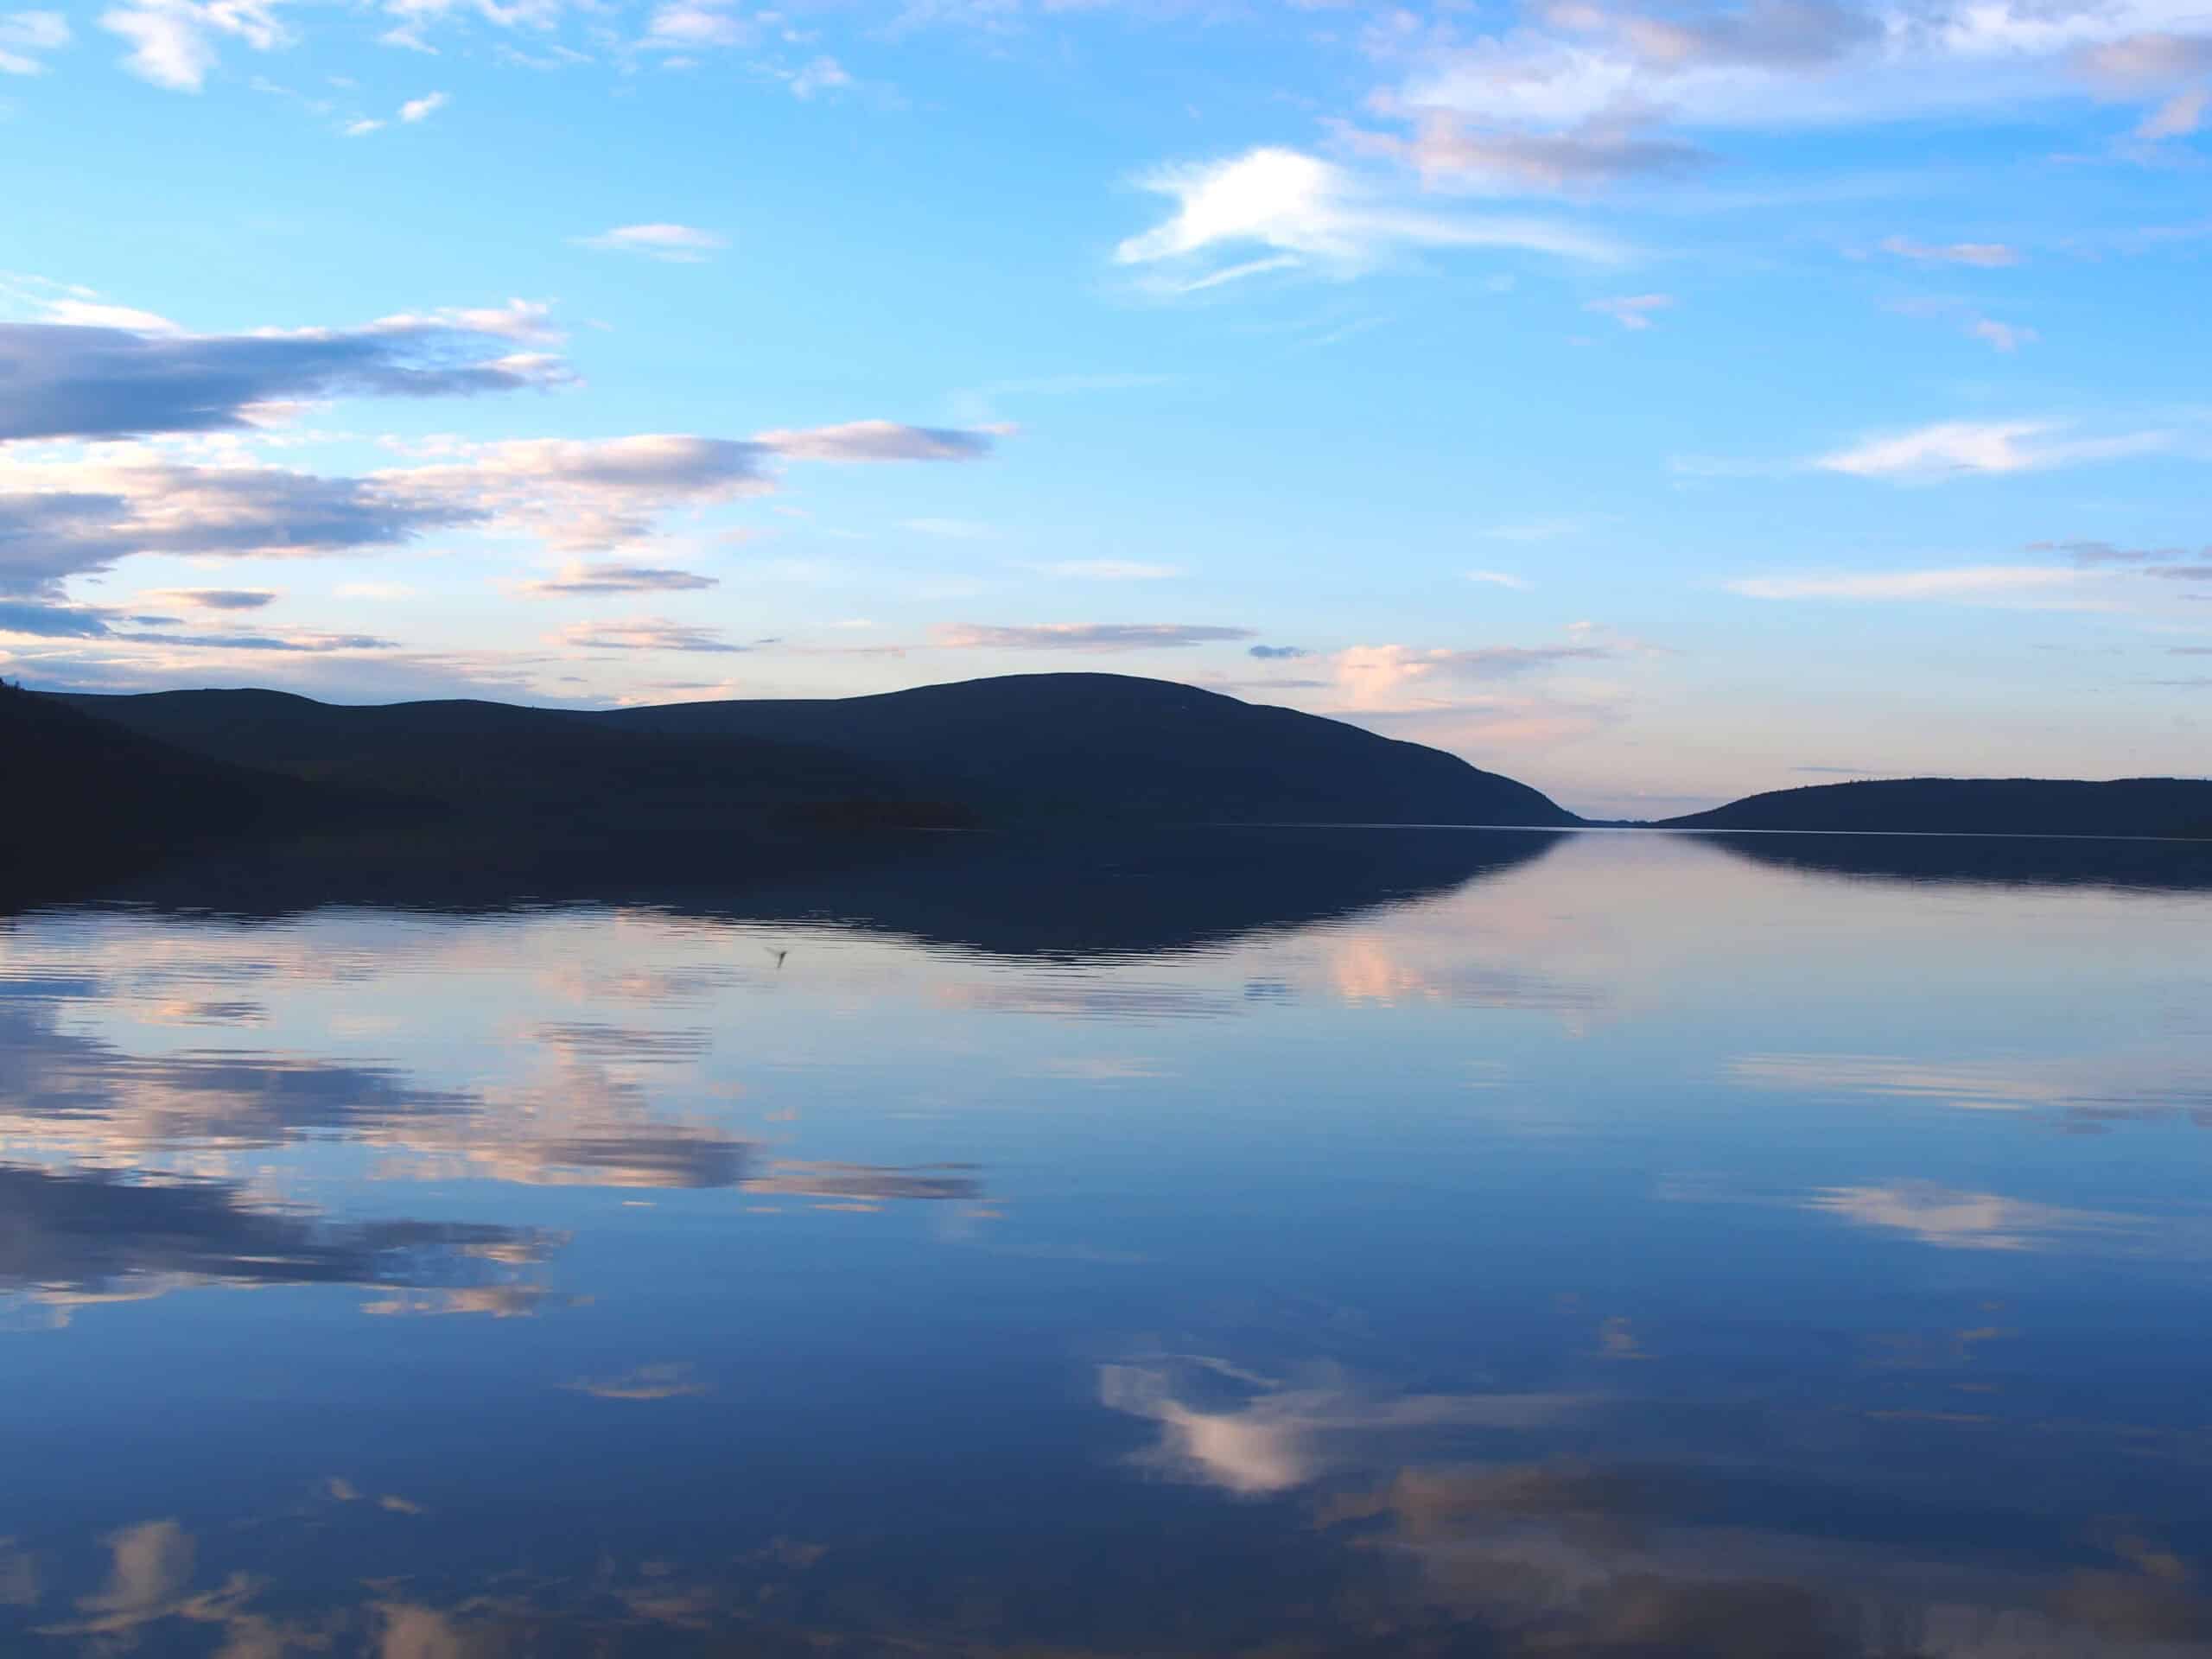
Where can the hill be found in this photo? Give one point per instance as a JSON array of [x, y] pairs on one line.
[[86, 797], [1975, 806], [1021, 748], [1081, 745]]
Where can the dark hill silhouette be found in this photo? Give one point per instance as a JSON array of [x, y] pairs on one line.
[[1032, 745], [1029, 747], [87, 798], [1975, 806], [490, 758]]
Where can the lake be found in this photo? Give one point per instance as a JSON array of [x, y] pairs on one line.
[[1284, 1242]]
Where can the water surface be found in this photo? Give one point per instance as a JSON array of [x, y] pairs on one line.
[[1290, 1243]]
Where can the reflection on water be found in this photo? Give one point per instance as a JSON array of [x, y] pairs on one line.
[[1283, 1243]]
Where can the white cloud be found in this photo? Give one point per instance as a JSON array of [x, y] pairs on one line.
[[1951, 448], [1965, 583], [172, 42], [1498, 579], [95, 314], [1631, 310], [363, 128], [682, 245], [24, 34], [1274, 208], [688, 25], [2004, 336], [821, 75], [422, 109], [530, 321], [1374, 679], [1989, 256]]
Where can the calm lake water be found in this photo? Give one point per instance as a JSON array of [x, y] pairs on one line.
[[1286, 1244]]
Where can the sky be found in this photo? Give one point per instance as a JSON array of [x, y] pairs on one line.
[[1654, 402]]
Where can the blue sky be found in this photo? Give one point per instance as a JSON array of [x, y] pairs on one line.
[[1654, 402]]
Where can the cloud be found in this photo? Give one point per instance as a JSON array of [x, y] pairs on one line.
[[528, 320], [1498, 579], [65, 518], [25, 34], [1374, 678], [1084, 636], [2154, 561], [821, 75], [690, 25], [1951, 447], [2004, 336], [679, 244], [1963, 583], [62, 381], [878, 440], [1274, 208], [2178, 118], [1278, 653], [422, 109], [645, 634], [578, 579], [1633, 310], [2138, 63], [1109, 570], [582, 495], [214, 599], [1989, 256], [172, 42], [1450, 153]]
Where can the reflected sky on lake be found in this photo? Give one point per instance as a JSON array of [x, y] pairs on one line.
[[1428, 1244]]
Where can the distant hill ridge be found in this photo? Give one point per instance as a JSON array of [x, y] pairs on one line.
[[2179, 807], [1024, 746]]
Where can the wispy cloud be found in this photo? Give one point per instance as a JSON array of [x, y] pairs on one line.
[[1374, 678], [582, 580], [1274, 209], [675, 245], [645, 634], [1500, 579], [213, 599], [1988, 256], [1631, 310], [422, 109], [26, 36], [1949, 448], [1975, 582], [1084, 635]]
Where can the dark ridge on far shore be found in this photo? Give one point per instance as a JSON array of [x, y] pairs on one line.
[[2180, 808], [733, 791]]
